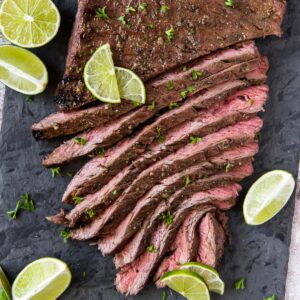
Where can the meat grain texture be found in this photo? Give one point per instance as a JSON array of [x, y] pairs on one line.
[[162, 174]]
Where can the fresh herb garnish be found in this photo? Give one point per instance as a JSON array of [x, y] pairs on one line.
[[240, 284], [123, 20], [196, 74], [143, 6], [229, 3], [65, 234], [228, 166], [164, 8], [29, 98], [165, 195], [273, 297], [167, 218], [28, 204], [159, 135], [14, 213], [152, 105], [186, 92], [195, 139], [77, 199], [170, 34], [130, 9], [170, 85], [173, 105], [115, 192], [151, 26], [91, 213], [135, 103], [80, 141], [100, 152], [251, 102], [55, 171], [101, 13], [163, 295], [151, 248], [187, 180]]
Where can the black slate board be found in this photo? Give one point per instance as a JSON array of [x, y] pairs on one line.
[[259, 254]]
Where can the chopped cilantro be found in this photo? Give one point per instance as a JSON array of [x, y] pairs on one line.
[[143, 6], [14, 213], [240, 284], [173, 105], [228, 166], [167, 218], [101, 13], [100, 152], [170, 34], [55, 171], [195, 139], [152, 105], [80, 141], [77, 199], [273, 297], [65, 234], [91, 213], [151, 26], [170, 85], [164, 8], [186, 92], [188, 180], [28, 204], [130, 9], [123, 20], [196, 74], [151, 248], [159, 135], [229, 3]]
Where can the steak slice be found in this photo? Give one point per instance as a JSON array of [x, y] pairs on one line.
[[145, 49], [184, 248], [226, 63], [109, 192], [100, 170], [139, 242], [192, 236], [212, 240], [133, 277], [107, 135], [116, 239], [238, 134]]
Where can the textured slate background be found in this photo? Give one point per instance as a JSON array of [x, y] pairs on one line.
[[259, 254]]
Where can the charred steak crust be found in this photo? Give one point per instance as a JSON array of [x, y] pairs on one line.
[[144, 49]]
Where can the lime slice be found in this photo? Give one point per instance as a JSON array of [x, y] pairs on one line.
[[131, 87], [5, 293], [187, 283], [27, 23], [267, 196], [22, 71], [100, 76], [45, 279], [210, 276]]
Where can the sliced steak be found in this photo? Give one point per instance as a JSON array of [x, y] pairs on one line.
[[145, 49], [212, 241], [100, 170], [240, 133], [116, 239], [189, 238], [111, 191], [133, 277], [108, 135], [216, 68], [139, 242], [184, 248]]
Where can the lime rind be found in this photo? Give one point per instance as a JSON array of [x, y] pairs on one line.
[[46, 278], [189, 284], [27, 25], [131, 87], [5, 289], [22, 70], [267, 196], [100, 76], [210, 276]]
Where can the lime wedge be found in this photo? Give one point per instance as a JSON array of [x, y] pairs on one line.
[[29, 24], [5, 293], [45, 279], [131, 87], [22, 71], [100, 76], [267, 196], [209, 275], [187, 283]]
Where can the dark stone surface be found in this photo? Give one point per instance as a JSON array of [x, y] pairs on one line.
[[259, 254]]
